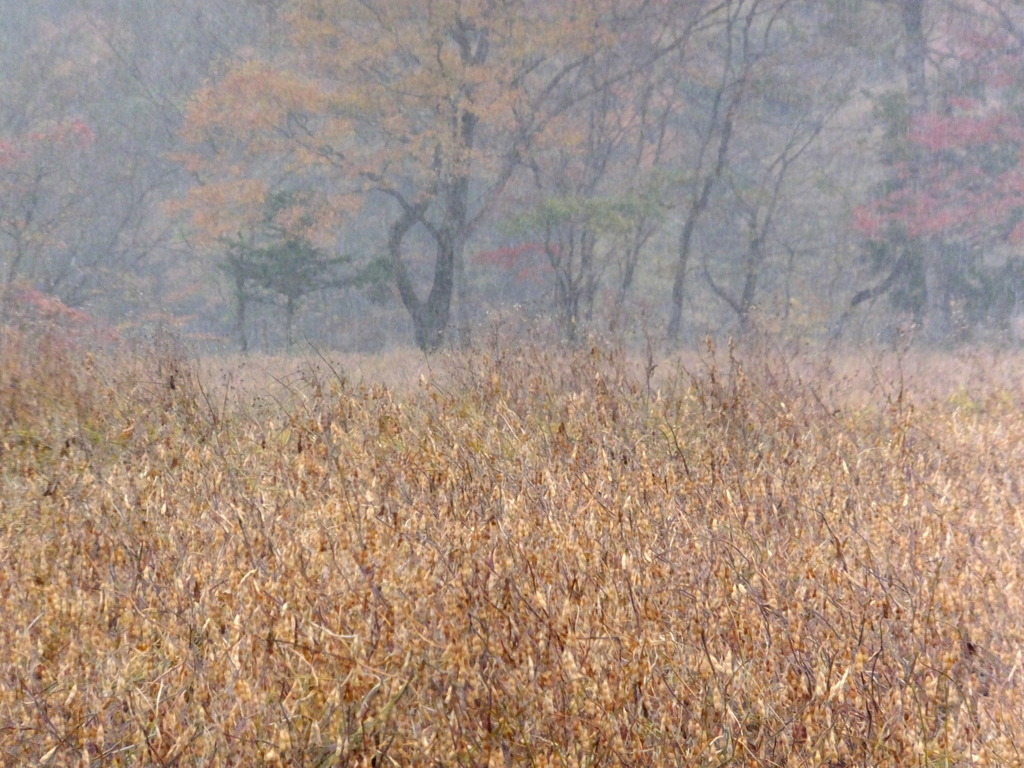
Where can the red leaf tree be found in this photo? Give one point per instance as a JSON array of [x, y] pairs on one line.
[[946, 224]]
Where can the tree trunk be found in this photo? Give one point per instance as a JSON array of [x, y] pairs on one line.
[[241, 305], [938, 314], [700, 201], [675, 322], [937, 311], [432, 321], [746, 313], [290, 307], [430, 317]]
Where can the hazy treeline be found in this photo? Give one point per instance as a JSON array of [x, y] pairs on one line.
[[362, 173]]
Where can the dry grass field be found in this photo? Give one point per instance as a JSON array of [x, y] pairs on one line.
[[521, 557]]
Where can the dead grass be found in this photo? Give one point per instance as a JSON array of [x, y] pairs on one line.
[[256, 374], [533, 558]]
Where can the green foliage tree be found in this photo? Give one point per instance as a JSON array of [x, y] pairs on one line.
[[278, 261], [582, 238]]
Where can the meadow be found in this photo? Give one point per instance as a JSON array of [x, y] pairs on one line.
[[519, 555]]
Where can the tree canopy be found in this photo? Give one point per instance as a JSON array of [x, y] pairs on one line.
[[700, 166]]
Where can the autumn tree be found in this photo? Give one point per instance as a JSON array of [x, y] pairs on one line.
[[89, 117], [714, 86], [41, 189], [794, 93], [417, 113], [49, 158], [595, 193], [756, 200], [943, 225]]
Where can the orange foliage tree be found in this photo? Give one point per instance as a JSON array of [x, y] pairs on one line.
[[41, 190], [417, 114]]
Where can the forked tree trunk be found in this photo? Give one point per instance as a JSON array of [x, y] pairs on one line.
[[430, 316]]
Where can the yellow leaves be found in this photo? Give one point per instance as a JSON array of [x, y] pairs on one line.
[[838, 688], [224, 208], [252, 99], [371, 94], [283, 740], [254, 127]]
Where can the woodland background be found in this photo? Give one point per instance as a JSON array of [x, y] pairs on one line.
[[358, 175]]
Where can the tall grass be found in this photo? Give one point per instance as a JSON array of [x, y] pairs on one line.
[[535, 557]]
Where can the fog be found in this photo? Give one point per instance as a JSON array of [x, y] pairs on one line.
[[260, 175]]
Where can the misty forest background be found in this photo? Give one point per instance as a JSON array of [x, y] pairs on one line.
[[359, 175]]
